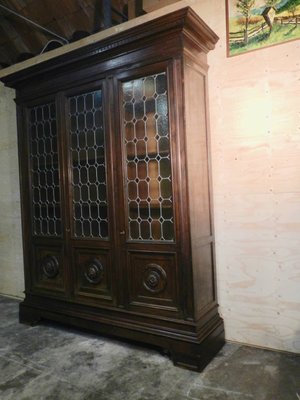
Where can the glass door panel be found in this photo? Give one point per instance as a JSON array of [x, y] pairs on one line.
[[44, 171], [146, 142], [88, 163]]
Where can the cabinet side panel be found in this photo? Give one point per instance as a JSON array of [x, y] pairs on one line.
[[198, 184]]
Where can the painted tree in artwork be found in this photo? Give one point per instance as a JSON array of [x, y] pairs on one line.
[[244, 7], [292, 7], [271, 3], [269, 12]]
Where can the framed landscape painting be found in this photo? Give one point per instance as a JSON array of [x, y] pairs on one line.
[[254, 24]]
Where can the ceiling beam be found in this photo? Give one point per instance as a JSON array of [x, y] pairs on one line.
[[10, 32], [29, 21]]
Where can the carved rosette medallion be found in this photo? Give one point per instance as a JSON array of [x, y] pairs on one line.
[[50, 266], [155, 278], [93, 272]]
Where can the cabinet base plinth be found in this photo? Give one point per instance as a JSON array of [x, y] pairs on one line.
[[197, 356], [28, 315], [185, 351]]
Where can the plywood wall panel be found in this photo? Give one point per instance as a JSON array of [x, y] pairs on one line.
[[245, 167], [255, 133], [286, 165]]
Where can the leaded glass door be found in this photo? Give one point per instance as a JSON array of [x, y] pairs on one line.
[[149, 241], [146, 142], [44, 216], [90, 184]]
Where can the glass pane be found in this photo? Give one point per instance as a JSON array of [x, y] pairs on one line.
[[146, 141], [87, 138], [46, 219]]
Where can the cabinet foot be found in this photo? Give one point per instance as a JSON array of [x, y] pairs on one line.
[[28, 315], [197, 356], [193, 363]]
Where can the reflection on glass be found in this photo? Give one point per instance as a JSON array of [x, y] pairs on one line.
[[147, 149]]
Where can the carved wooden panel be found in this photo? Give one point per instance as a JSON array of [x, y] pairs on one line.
[[153, 282], [93, 274], [48, 268]]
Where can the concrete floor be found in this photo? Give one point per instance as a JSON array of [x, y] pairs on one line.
[[56, 363]]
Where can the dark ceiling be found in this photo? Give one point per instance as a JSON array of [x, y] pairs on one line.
[[69, 19]]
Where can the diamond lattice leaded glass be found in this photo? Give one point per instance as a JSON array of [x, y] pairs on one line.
[[88, 165], [147, 150], [44, 170]]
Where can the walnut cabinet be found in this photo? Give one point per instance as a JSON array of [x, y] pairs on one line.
[[115, 183]]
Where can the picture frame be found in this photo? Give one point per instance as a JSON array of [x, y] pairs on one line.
[[256, 24]]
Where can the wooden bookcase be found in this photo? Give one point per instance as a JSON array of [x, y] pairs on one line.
[[115, 183]]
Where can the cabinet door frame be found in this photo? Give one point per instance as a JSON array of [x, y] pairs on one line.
[[83, 245], [119, 78], [32, 242], [109, 178], [138, 248]]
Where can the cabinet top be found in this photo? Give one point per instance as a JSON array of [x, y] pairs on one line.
[[132, 33]]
